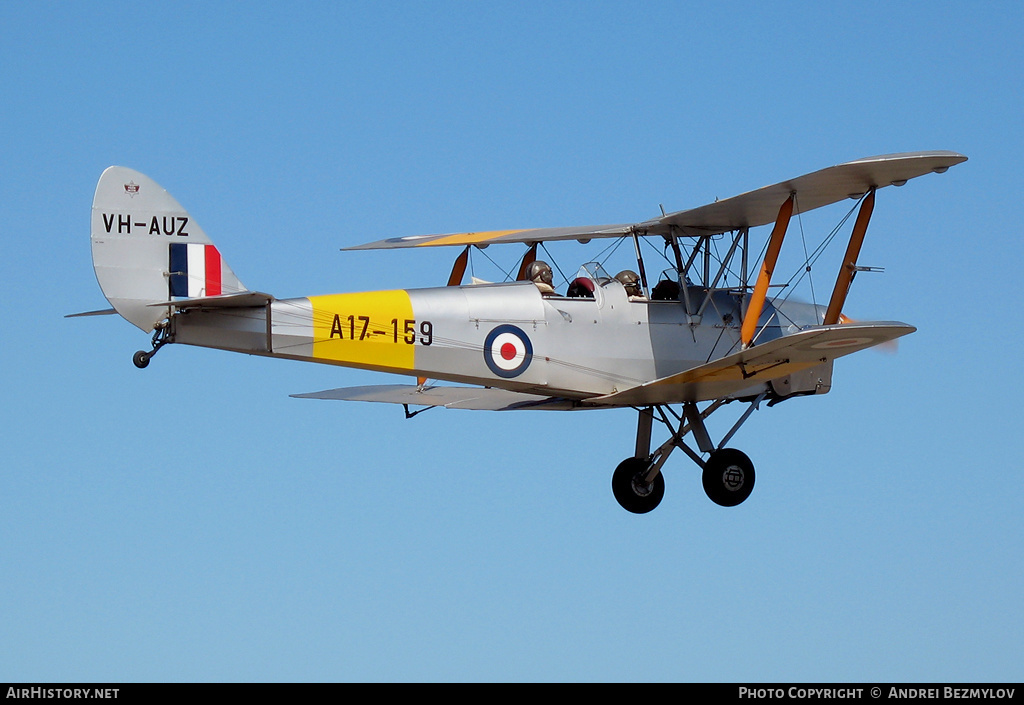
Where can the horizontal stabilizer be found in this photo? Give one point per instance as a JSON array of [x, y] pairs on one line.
[[472, 398], [104, 312], [246, 299], [740, 371]]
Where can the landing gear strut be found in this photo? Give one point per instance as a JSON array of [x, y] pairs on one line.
[[727, 473], [161, 337]]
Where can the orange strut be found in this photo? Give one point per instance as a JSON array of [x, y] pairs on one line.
[[845, 278], [459, 268], [764, 278], [528, 259]]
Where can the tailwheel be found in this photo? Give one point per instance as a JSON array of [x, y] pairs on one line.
[[632, 488], [728, 477], [161, 337]]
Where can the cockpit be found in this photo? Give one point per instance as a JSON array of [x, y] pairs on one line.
[[588, 279], [592, 277]]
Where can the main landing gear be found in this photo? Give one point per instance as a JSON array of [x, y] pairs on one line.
[[727, 474], [634, 488], [161, 337]]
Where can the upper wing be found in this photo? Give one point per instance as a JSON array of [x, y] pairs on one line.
[[776, 358], [499, 236], [748, 210], [815, 190]]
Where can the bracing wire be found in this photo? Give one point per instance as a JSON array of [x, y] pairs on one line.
[[807, 258]]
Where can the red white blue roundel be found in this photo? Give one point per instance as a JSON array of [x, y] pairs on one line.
[[507, 351]]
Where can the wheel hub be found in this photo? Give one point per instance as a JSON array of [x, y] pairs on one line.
[[641, 487], [733, 478]]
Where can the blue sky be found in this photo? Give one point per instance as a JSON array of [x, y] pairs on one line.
[[193, 522]]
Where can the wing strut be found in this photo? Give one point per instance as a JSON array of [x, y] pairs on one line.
[[459, 268], [640, 264], [849, 268], [529, 258], [764, 278]]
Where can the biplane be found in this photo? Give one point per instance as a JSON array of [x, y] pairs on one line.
[[676, 347]]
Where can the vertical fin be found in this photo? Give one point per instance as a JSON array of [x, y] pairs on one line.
[[147, 249]]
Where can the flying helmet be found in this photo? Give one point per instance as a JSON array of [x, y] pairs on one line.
[[539, 271], [630, 281]]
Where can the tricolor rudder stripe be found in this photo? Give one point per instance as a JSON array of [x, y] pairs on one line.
[[195, 270]]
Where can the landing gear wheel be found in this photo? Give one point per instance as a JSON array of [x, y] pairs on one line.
[[141, 359], [728, 477], [632, 491]]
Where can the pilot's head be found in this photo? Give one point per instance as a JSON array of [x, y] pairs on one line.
[[539, 272], [630, 281]]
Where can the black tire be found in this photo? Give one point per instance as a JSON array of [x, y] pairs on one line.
[[728, 477], [631, 492], [141, 359]]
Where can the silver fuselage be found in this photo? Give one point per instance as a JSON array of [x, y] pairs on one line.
[[498, 335]]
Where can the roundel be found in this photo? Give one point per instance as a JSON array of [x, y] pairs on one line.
[[507, 351]]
